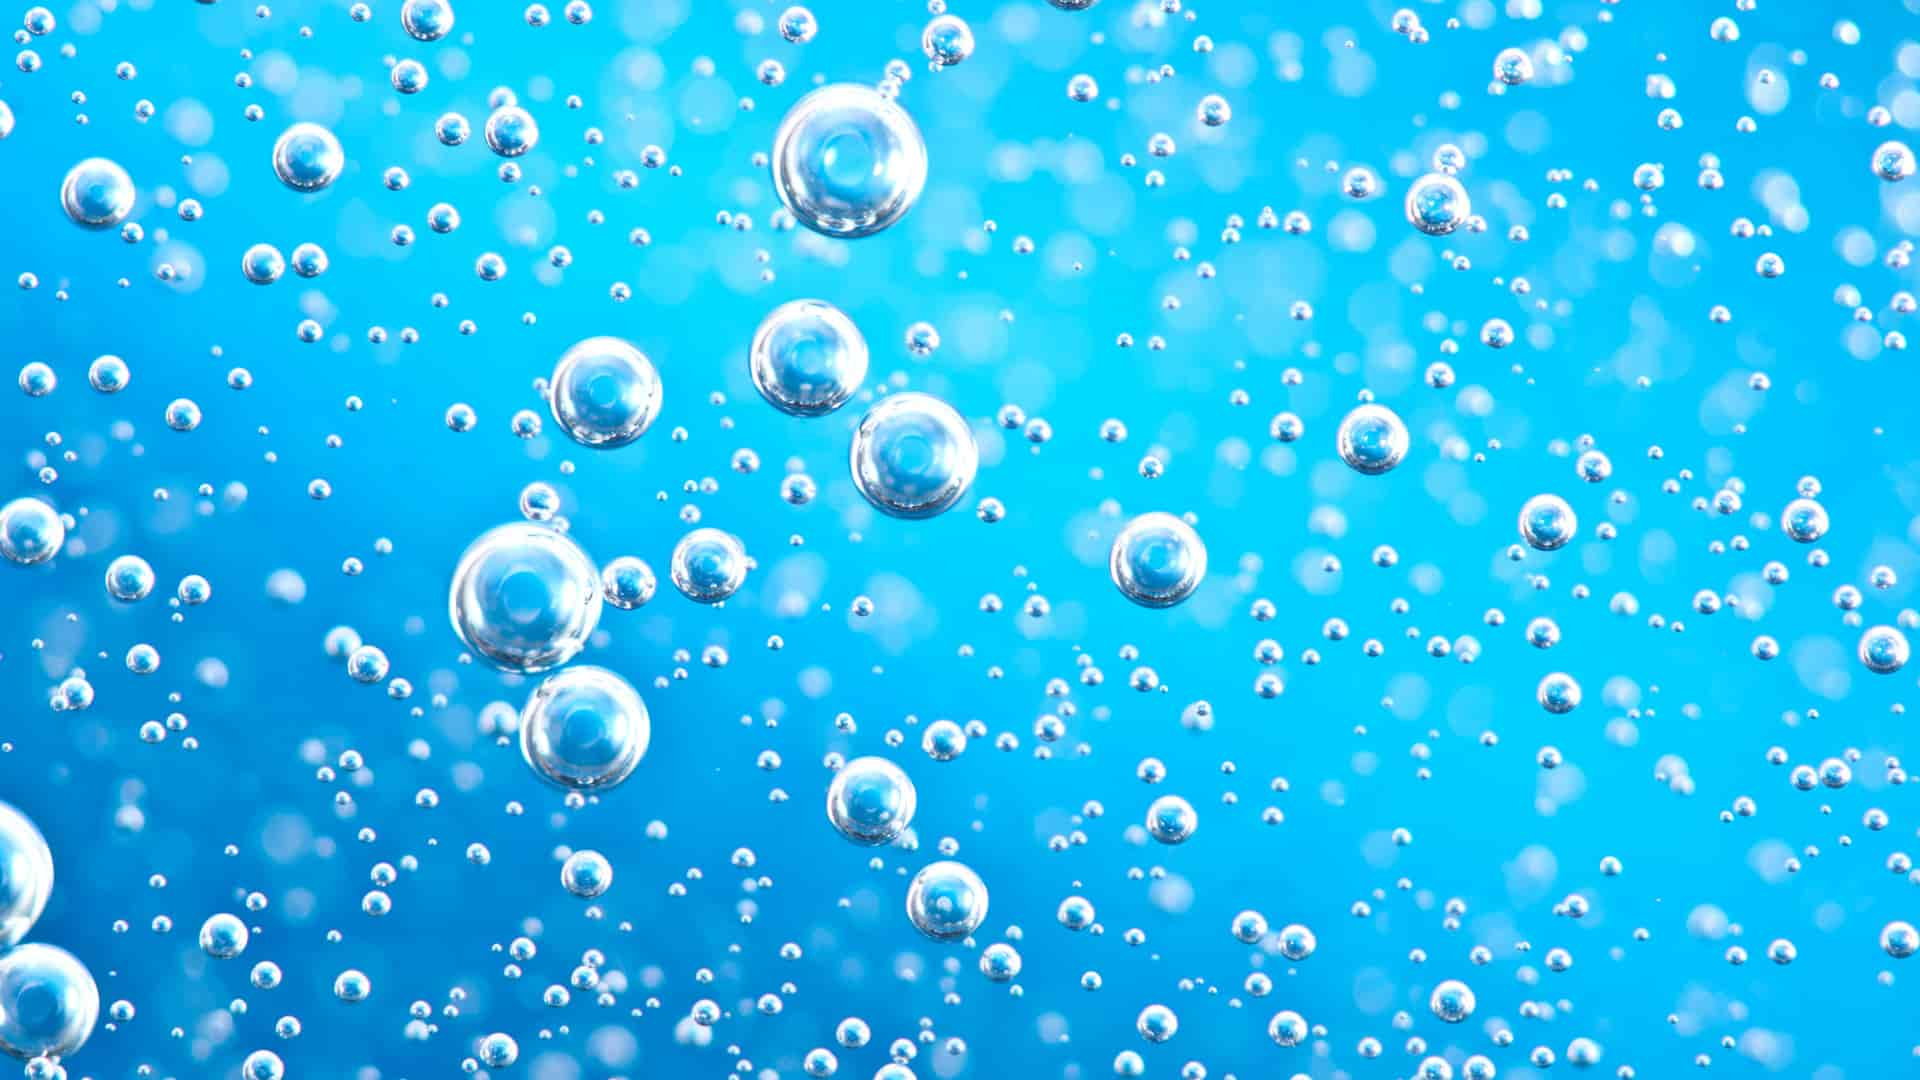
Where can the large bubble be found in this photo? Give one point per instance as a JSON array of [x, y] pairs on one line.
[[848, 161], [947, 901], [871, 801], [30, 531], [1157, 560], [26, 875], [605, 393], [525, 597], [48, 1002], [97, 194], [1372, 439], [913, 456], [584, 728], [306, 157], [808, 358]]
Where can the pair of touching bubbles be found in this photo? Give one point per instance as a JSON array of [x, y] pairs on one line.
[[48, 999]]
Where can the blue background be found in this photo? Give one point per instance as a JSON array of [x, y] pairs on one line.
[[1626, 297]]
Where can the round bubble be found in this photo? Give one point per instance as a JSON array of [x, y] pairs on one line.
[[628, 582], [48, 1002], [1547, 523], [808, 358], [511, 131], [306, 157], [223, 936], [871, 801], [1157, 560], [1451, 1001], [913, 456], [947, 40], [1513, 67], [426, 20], [584, 728], [1884, 649], [1437, 204], [1558, 693], [129, 578], [604, 393], [947, 901], [1171, 819], [708, 565], [847, 161], [525, 597], [1372, 439], [262, 1065], [26, 875], [1804, 520], [30, 531], [586, 874], [97, 194], [263, 264], [1893, 161]]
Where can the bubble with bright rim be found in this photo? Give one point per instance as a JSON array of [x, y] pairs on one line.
[[913, 456], [708, 565], [48, 1002], [1171, 819], [871, 801], [1437, 204], [30, 531], [26, 875], [1884, 649], [525, 597], [584, 729], [1451, 1001], [97, 194], [847, 161], [586, 874], [307, 157], [1547, 523], [511, 131], [1372, 439], [426, 20], [604, 393], [1157, 560], [807, 358], [1804, 520], [946, 901]]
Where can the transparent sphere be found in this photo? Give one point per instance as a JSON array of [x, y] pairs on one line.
[[306, 157], [1558, 693], [847, 161], [1157, 560], [263, 264], [97, 194], [808, 358], [223, 936], [1451, 1001], [708, 565], [586, 874], [1513, 67], [129, 578], [947, 40], [48, 1002], [1171, 819], [26, 875], [1804, 520], [946, 901], [1547, 523], [262, 1065], [1884, 649], [584, 728], [1372, 439], [426, 20], [604, 393], [1000, 962], [628, 582], [871, 801], [30, 531], [913, 456], [499, 1050], [1893, 161], [511, 131], [1437, 204], [525, 597], [1899, 939]]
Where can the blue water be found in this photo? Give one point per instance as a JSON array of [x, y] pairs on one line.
[[1613, 342]]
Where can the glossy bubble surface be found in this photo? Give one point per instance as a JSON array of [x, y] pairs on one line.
[[525, 597], [913, 456], [848, 162], [584, 728]]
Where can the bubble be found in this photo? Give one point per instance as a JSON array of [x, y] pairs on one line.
[[48, 1002], [1452, 1001], [223, 936], [847, 161], [586, 874], [426, 20], [352, 986], [1157, 560], [1437, 204], [627, 582], [525, 597], [262, 264], [584, 728], [1899, 939], [1372, 439], [1287, 1028], [97, 194], [1804, 520], [604, 393], [306, 157], [1214, 111], [129, 578], [946, 901], [511, 131], [1171, 819], [808, 358], [913, 456], [1547, 523], [498, 1050], [262, 1065], [30, 531], [1558, 693], [26, 875], [1513, 67], [708, 565], [947, 40], [1893, 161], [1883, 649], [871, 801]]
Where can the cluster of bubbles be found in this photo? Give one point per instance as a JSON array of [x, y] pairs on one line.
[[48, 1000]]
